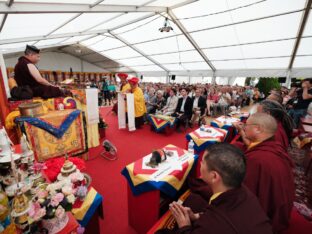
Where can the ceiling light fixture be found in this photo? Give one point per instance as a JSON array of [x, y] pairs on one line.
[[166, 27]]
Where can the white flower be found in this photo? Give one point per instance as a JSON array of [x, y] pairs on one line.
[[67, 190], [71, 198]]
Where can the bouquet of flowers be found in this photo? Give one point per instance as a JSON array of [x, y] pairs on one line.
[[55, 199], [48, 205]]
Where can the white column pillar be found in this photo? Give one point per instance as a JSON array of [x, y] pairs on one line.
[[288, 79], [213, 80]]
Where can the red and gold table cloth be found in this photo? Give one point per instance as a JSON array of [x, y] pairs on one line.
[[206, 136], [224, 122], [167, 177], [160, 122], [45, 144]]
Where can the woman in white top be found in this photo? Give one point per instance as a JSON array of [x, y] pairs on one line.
[[172, 102]]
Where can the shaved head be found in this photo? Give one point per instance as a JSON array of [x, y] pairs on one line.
[[265, 121]]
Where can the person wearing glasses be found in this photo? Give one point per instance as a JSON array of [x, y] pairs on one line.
[[269, 170], [285, 124]]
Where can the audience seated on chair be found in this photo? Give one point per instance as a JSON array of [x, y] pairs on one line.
[[224, 100], [232, 207], [183, 111], [199, 106], [172, 102], [150, 100], [159, 102], [212, 100]]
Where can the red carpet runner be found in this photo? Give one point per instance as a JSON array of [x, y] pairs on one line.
[[106, 177]]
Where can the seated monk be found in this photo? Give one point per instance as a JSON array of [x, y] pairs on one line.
[[285, 124], [232, 207], [269, 170], [27, 74]]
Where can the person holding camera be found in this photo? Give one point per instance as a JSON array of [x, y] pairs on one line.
[[299, 107]]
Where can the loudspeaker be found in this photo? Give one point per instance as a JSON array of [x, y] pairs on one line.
[[281, 80], [173, 77]]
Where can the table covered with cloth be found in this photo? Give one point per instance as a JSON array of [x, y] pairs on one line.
[[226, 122], [167, 177], [243, 116], [160, 122], [54, 133], [205, 136], [91, 204]]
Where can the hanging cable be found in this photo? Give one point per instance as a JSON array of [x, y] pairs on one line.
[[141, 25], [225, 11], [179, 53]]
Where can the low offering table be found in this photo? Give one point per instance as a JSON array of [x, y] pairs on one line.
[[203, 137], [162, 122], [226, 122], [243, 116], [51, 134], [146, 183]]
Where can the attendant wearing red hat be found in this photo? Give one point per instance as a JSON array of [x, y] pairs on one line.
[[139, 102], [124, 88]]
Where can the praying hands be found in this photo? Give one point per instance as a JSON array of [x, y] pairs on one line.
[[183, 215]]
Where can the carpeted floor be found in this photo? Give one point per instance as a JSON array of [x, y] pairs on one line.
[[106, 177]]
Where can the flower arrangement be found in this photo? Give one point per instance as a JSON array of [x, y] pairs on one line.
[[53, 200]]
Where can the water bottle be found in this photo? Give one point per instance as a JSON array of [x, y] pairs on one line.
[[238, 109], [202, 128], [191, 147]]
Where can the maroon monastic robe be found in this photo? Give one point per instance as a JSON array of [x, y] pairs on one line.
[[269, 176], [232, 212], [281, 136], [23, 77]]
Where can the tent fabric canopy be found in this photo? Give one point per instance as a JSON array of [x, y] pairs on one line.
[[209, 38]]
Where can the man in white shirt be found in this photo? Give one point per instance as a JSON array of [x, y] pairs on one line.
[[224, 100]]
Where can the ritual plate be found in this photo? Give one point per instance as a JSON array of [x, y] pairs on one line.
[[24, 185], [7, 158]]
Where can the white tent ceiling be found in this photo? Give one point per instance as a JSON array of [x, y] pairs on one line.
[[209, 37]]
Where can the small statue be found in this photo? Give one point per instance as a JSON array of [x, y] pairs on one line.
[[20, 208], [5, 143], [158, 156]]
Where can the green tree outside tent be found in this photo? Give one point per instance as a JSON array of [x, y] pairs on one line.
[[265, 85]]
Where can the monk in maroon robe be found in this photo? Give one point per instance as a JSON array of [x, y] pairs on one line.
[[269, 170], [231, 209], [27, 74], [285, 124]]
